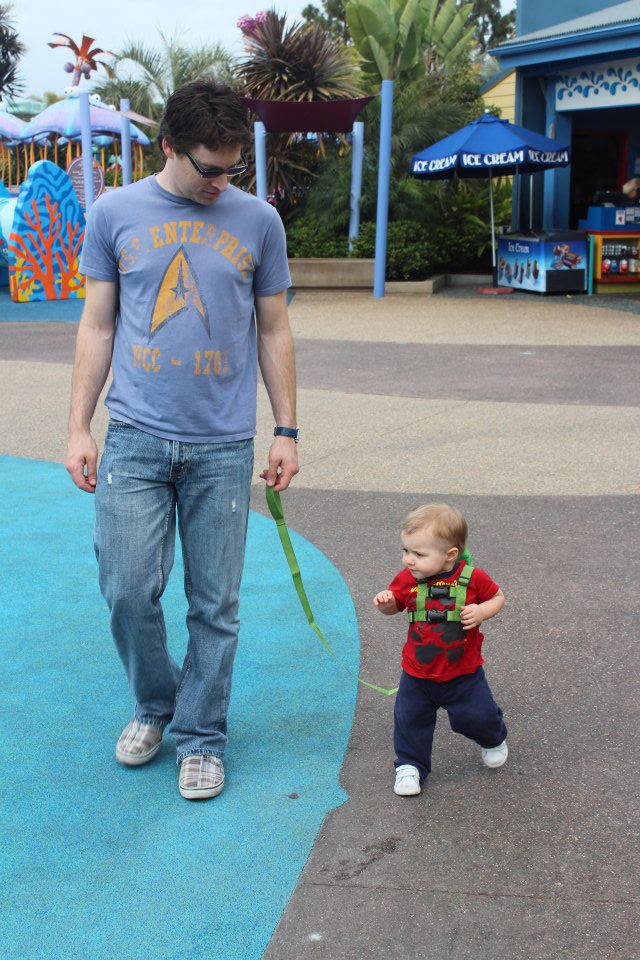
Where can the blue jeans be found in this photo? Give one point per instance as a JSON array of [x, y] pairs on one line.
[[143, 483]]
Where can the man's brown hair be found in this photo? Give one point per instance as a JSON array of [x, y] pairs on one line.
[[206, 112]]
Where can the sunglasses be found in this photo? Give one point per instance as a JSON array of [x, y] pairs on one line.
[[211, 173]]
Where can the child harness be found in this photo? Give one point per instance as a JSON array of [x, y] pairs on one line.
[[448, 591]]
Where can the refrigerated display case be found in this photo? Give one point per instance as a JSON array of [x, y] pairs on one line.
[[553, 261], [615, 262]]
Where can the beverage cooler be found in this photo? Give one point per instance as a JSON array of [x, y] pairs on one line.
[[616, 262], [553, 261]]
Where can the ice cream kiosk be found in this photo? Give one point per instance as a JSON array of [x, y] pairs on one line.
[[552, 261]]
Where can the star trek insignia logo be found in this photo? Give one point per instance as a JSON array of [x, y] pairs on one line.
[[177, 292]]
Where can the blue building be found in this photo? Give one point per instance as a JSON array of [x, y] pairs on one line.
[[577, 66]]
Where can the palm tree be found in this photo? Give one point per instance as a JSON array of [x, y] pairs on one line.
[[147, 76], [11, 49]]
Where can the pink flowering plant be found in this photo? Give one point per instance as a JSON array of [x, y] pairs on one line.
[[250, 26]]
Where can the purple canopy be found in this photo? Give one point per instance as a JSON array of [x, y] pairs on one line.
[[63, 119], [11, 128], [307, 116]]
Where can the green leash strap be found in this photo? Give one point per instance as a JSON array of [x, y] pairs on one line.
[[275, 507]]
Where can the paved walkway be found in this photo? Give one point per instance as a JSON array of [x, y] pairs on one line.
[[524, 413]]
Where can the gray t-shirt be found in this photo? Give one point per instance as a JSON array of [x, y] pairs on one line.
[[184, 360]]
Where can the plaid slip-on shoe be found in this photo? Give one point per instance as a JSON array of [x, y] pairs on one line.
[[201, 777], [138, 743]]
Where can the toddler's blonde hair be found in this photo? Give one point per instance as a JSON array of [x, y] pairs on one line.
[[446, 522]]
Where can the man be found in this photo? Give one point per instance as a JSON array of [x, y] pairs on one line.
[[175, 265]]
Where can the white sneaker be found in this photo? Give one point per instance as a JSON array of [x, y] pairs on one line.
[[495, 756], [407, 781]]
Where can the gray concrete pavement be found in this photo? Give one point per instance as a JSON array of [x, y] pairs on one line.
[[525, 415]]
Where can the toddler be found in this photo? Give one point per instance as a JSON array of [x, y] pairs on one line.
[[447, 599]]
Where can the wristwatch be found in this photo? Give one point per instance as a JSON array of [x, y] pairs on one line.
[[293, 432]]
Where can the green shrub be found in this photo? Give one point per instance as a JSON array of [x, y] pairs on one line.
[[409, 249], [307, 238], [408, 246], [414, 251]]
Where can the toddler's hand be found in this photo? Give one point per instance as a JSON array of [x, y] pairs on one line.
[[471, 616], [385, 602]]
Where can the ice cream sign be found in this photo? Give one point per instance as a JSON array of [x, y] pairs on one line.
[[504, 159], [508, 158], [432, 166]]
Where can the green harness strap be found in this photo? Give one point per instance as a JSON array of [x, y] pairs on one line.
[[275, 507], [459, 592]]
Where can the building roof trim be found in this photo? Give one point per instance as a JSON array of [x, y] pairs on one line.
[[621, 18]]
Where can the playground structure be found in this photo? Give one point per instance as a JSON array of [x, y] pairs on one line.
[[42, 230], [42, 218], [11, 147], [59, 128]]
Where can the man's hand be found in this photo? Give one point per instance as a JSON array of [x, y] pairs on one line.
[[283, 464], [94, 346], [385, 602], [82, 452]]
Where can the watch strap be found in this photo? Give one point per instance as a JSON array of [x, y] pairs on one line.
[[293, 432]]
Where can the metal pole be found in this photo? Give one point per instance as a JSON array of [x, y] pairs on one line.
[[384, 176], [357, 154], [126, 143], [260, 136], [530, 203], [87, 153], [493, 230]]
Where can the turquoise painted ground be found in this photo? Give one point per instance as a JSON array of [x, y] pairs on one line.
[[49, 311], [101, 862], [43, 311]]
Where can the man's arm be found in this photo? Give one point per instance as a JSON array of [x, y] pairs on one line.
[[277, 364], [94, 347]]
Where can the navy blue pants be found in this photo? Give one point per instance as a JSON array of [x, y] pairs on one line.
[[467, 699]]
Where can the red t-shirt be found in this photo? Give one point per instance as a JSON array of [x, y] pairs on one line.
[[441, 651]]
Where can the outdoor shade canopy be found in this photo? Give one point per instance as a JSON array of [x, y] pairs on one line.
[[307, 116], [11, 127], [63, 118], [489, 146]]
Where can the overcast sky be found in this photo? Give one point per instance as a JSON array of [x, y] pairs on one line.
[[113, 22]]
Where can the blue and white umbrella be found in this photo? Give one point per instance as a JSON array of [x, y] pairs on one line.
[[487, 147]]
